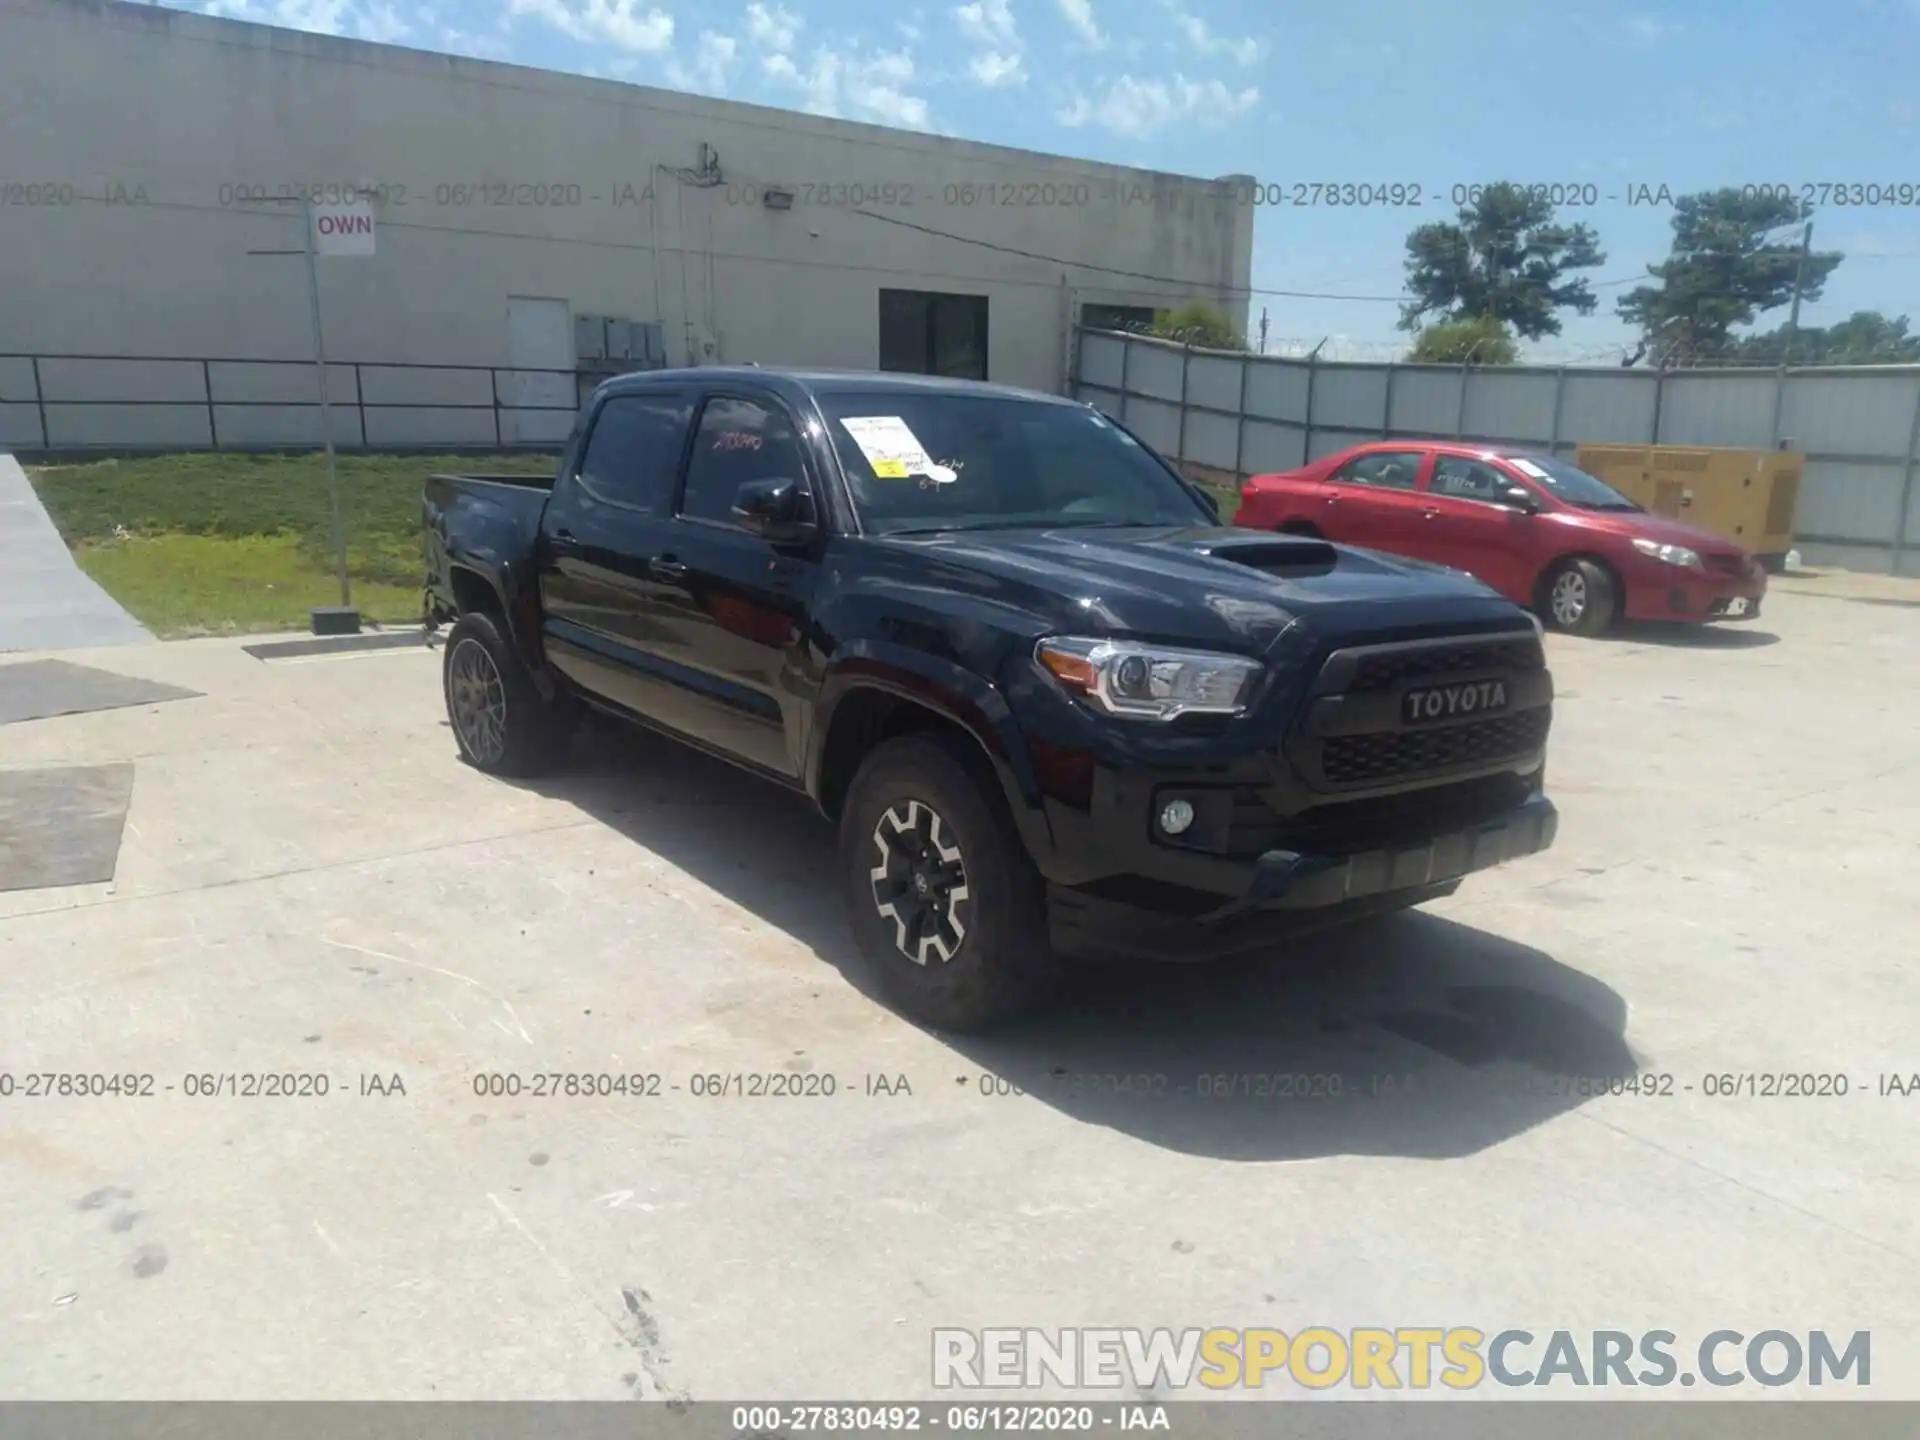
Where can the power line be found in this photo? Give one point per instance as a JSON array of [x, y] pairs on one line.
[[1166, 279]]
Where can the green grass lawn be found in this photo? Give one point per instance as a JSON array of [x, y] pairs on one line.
[[211, 544]]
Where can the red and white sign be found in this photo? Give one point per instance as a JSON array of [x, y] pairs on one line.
[[345, 229]]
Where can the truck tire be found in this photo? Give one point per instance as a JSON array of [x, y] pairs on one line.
[[502, 723], [946, 907], [1579, 597]]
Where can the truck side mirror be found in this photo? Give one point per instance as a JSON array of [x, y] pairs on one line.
[[775, 509]]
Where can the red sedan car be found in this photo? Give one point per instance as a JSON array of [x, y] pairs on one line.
[[1535, 528]]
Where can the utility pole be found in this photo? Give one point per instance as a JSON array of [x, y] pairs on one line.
[[1793, 330], [1799, 282], [346, 617], [1263, 329]]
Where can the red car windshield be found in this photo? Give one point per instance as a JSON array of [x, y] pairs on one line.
[[1570, 483]]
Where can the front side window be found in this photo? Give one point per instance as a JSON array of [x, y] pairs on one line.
[[1466, 479], [738, 440]]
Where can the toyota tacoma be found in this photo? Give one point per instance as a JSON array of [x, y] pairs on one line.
[[1054, 708]]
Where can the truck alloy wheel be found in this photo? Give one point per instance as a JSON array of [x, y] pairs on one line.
[[477, 702], [919, 883]]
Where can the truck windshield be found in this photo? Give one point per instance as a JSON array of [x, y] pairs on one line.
[[931, 462], [1570, 483]]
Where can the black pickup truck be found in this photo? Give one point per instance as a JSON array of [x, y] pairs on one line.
[[1052, 705]]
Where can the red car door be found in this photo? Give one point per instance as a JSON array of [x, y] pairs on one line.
[[1471, 521], [1373, 500]]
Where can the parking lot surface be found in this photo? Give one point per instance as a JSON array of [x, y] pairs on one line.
[[309, 884]]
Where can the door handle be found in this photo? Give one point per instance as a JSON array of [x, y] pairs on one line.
[[1333, 499], [561, 542], [1428, 514], [665, 567]]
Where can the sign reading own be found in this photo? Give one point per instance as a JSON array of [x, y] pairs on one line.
[[343, 229]]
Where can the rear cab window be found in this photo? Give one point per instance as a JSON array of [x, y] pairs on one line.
[[1381, 470], [632, 452]]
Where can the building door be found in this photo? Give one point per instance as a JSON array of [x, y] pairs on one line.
[[538, 395], [923, 333]]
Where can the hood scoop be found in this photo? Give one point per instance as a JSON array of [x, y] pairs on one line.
[[1288, 555]]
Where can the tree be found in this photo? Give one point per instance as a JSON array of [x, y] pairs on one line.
[[1725, 269], [1864, 338], [1465, 342], [1504, 258], [1197, 324]]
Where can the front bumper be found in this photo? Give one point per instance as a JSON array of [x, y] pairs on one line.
[[1288, 893], [1672, 593]]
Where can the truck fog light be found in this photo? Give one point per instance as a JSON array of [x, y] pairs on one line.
[[1176, 816]]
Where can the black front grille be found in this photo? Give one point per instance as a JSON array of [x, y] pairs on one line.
[[1396, 667], [1388, 755]]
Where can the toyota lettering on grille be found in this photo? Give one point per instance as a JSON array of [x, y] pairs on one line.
[[1430, 703]]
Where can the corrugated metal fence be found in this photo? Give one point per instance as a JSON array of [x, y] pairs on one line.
[[1858, 426]]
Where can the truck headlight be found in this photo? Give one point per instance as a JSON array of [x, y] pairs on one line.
[[1671, 554], [1148, 682]]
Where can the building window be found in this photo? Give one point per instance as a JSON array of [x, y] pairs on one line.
[[926, 334], [1116, 317]]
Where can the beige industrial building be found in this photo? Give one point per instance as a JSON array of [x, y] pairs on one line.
[[538, 222]]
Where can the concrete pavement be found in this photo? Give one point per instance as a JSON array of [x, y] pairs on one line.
[[311, 885], [46, 601]]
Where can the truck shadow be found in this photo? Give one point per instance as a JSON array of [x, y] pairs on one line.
[[1412, 1035]]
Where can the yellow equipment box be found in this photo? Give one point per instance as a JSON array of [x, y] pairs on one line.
[[1751, 497]]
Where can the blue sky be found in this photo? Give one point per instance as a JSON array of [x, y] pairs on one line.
[[1369, 92]]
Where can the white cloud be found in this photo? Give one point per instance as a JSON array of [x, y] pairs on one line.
[[1244, 51], [996, 69], [711, 68], [1079, 14], [1649, 29], [852, 84], [772, 27], [381, 24], [1001, 61], [374, 20], [1136, 107], [989, 22], [619, 23]]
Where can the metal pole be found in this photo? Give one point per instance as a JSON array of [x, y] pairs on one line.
[[1460, 409], [1180, 441], [1559, 401], [40, 404], [1306, 425], [326, 411], [1386, 403], [1906, 489], [206, 385], [1240, 424], [1126, 354], [1659, 394]]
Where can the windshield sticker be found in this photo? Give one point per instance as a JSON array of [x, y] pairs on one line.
[[893, 450], [1527, 467]]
